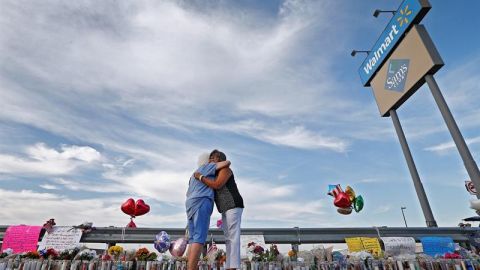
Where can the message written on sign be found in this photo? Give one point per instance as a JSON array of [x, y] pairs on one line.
[[395, 246], [370, 244], [437, 245], [61, 238], [21, 238]]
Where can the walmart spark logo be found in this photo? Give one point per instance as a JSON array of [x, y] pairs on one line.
[[403, 18]]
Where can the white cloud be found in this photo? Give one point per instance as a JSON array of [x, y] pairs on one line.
[[448, 146], [40, 159], [48, 186]]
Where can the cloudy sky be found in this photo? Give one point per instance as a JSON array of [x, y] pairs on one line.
[[105, 100]]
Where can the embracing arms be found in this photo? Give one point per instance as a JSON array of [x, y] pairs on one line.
[[222, 177]]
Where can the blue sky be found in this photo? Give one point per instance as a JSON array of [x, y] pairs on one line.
[[102, 101]]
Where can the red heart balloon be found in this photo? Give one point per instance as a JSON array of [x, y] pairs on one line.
[[342, 200], [141, 208], [128, 207], [131, 224]]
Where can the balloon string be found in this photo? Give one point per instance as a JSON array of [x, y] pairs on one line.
[[123, 234]]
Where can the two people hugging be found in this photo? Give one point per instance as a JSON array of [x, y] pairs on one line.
[[213, 182]]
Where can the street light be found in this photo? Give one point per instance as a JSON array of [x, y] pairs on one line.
[[354, 52], [403, 214], [378, 11]]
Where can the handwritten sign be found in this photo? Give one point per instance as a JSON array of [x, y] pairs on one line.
[[354, 244], [61, 238], [370, 244], [245, 239], [437, 245], [395, 246], [21, 238]]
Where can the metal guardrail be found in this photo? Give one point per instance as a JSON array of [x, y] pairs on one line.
[[277, 235]]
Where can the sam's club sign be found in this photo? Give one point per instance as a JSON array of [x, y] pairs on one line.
[[397, 74], [409, 13]]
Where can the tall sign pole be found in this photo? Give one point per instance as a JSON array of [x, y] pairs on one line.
[[468, 161], [422, 196], [394, 68], [401, 61]]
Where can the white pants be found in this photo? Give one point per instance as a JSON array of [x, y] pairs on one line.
[[231, 220]]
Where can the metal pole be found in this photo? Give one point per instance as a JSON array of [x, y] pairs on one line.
[[422, 197], [468, 161], [403, 214]]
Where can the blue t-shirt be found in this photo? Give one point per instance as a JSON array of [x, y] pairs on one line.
[[198, 191]]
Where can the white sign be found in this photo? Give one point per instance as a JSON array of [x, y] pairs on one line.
[[395, 246], [245, 239], [61, 238]]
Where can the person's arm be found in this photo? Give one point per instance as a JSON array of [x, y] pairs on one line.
[[222, 164], [222, 178]]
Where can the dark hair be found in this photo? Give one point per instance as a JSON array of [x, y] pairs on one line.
[[221, 156]]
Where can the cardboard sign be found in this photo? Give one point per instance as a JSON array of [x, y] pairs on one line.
[[21, 238], [245, 239], [395, 246], [354, 244], [61, 238], [370, 244], [437, 245]]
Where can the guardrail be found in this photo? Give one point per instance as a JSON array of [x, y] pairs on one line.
[[111, 235]]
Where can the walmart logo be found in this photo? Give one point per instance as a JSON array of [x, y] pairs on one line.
[[404, 14], [409, 12], [397, 74]]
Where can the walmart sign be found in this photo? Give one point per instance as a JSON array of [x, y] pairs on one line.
[[409, 13]]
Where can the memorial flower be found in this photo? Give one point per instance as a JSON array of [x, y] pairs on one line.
[[143, 254], [115, 251]]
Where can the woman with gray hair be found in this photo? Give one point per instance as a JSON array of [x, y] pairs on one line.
[[229, 203]]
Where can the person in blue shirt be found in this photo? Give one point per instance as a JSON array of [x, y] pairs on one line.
[[199, 207]]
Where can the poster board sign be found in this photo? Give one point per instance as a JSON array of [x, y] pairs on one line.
[[395, 246], [404, 71], [21, 238], [354, 244], [437, 245], [245, 239], [370, 244], [61, 238]]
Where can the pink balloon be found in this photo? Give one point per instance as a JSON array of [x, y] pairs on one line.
[[178, 247]]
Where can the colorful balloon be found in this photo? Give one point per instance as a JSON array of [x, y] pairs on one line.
[[162, 242], [345, 201], [344, 211], [342, 200], [178, 247], [358, 204], [350, 193], [128, 207], [141, 208]]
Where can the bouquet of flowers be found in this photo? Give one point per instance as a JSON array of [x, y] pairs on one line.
[[272, 254], [255, 252], [30, 255], [220, 256], [49, 254], [86, 255], [143, 254], [68, 254], [6, 253], [292, 255], [115, 251]]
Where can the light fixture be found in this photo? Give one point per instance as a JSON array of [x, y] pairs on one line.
[[354, 52], [378, 11]]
